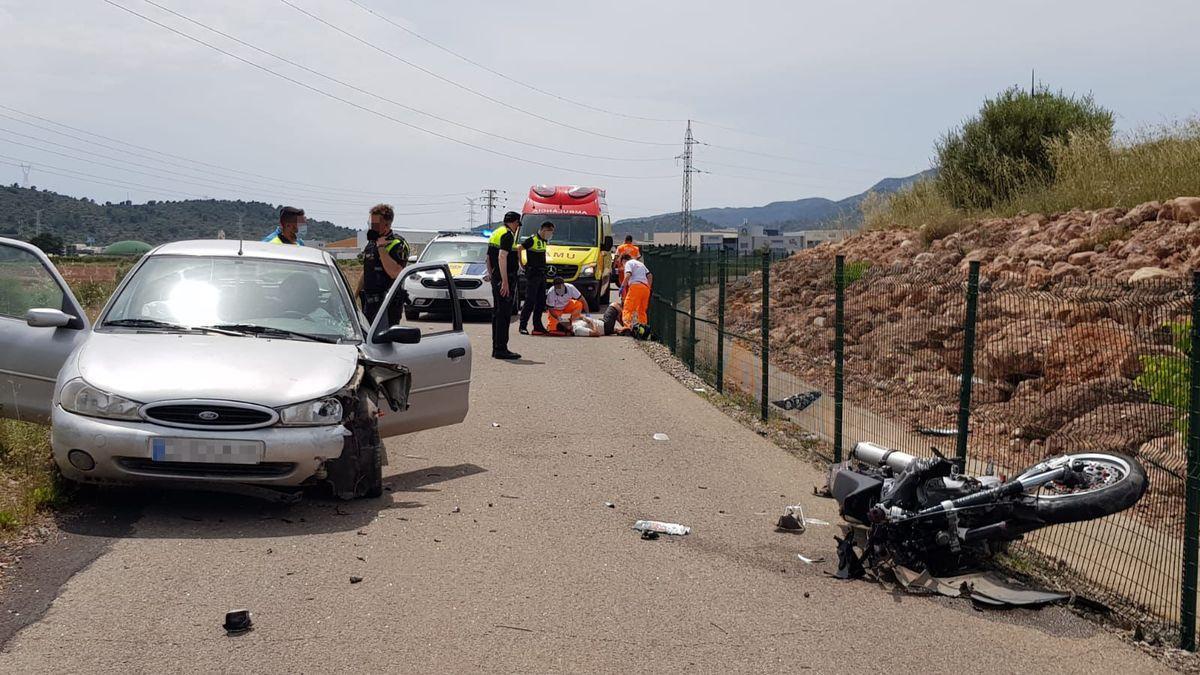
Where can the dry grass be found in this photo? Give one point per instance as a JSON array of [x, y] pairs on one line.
[[1091, 172]]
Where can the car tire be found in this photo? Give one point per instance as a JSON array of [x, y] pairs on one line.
[[411, 313], [372, 485]]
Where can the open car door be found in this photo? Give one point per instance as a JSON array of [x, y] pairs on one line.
[[439, 364], [41, 323]]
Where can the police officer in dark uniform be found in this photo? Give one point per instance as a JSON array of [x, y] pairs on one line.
[[384, 257], [502, 271], [535, 278]]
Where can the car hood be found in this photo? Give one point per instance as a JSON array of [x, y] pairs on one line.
[[148, 367]]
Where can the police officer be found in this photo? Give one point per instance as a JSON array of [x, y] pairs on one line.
[[502, 271], [535, 278], [384, 257], [288, 232]]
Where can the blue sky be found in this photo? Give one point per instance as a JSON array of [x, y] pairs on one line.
[[842, 93]]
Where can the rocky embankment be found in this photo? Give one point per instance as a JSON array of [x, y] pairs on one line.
[[1074, 333]]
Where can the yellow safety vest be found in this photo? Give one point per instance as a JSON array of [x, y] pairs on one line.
[[494, 240], [539, 244]]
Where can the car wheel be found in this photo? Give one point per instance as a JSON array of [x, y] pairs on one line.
[[358, 472], [372, 482], [411, 313]]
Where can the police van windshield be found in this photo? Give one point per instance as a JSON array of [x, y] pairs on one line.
[[569, 230], [455, 251]]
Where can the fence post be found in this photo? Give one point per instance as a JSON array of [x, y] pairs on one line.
[[839, 351], [968, 363], [766, 333], [673, 302], [693, 280], [721, 321], [1191, 523]]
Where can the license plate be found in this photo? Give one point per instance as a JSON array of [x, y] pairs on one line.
[[206, 451]]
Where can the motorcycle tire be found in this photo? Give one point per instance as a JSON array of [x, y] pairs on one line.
[[1106, 500]]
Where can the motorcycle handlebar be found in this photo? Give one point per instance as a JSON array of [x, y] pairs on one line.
[[877, 455]]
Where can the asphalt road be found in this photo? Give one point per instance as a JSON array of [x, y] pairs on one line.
[[494, 550]]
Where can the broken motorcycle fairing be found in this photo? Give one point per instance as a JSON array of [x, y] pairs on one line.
[[923, 514]]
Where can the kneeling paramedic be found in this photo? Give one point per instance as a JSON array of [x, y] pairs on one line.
[[565, 303], [635, 291], [502, 264], [384, 257]]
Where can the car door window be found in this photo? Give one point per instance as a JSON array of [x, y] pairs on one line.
[[26, 284], [424, 281]]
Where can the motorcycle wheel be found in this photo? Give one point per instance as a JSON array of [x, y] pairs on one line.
[[1114, 483]]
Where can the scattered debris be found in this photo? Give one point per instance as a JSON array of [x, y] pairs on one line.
[[792, 520], [816, 521], [661, 437], [649, 535], [944, 432], [658, 527], [237, 621], [414, 457], [798, 401], [455, 510], [809, 561], [495, 425], [509, 497], [610, 505], [362, 533], [524, 630], [699, 390], [714, 625], [355, 580]]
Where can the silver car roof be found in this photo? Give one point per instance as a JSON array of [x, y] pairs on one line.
[[252, 249], [460, 238]]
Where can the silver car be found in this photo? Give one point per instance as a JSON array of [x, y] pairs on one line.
[[465, 255], [223, 362]]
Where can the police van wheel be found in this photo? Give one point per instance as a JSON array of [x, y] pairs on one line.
[[412, 314]]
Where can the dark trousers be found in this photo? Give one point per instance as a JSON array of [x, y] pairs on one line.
[[535, 301], [502, 310]]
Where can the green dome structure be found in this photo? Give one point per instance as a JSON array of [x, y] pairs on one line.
[[129, 248]]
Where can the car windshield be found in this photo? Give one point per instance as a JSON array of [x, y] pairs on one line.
[[569, 230], [455, 251], [274, 298]]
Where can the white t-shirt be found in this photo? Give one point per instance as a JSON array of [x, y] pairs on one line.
[[586, 326], [554, 300], [635, 272]]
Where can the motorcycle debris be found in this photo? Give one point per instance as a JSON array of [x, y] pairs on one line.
[[792, 520], [816, 521], [237, 621], [658, 527], [495, 425], [610, 505], [809, 561], [661, 437]]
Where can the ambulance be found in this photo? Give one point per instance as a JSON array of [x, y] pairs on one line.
[[581, 250]]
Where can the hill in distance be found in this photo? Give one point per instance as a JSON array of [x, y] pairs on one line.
[[801, 214], [82, 220]]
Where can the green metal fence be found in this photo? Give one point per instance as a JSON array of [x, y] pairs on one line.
[[1001, 369]]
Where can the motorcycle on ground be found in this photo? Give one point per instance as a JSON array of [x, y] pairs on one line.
[[925, 515]]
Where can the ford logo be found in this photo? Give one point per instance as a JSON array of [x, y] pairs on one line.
[[208, 415]]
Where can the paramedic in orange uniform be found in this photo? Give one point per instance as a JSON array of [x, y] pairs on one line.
[[632, 250], [565, 304], [635, 289]]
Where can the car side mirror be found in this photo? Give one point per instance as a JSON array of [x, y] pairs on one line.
[[607, 245], [44, 317], [412, 258], [405, 335]]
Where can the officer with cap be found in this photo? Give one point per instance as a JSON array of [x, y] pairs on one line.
[[384, 257], [502, 272]]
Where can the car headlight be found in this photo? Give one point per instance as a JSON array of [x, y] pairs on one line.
[[82, 398], [588, 271], [322, 412]]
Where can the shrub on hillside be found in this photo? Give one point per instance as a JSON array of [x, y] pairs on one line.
[[1004, 150]]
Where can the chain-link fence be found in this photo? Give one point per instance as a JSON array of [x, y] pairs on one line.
[[1002, 370]]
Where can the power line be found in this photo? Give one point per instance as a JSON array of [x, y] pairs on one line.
[[509, 78], [790, 159], [804, 143], [465, 87], [377, 113], [394, 102], [186, 159], [709, 162]]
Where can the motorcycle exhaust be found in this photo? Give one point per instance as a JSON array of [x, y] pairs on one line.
[[877, 455]]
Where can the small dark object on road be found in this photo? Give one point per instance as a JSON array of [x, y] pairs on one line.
[[355, 580], [806, 594], [649, 534], [849, 564], [237, 621], [610, 505], [789, 523]]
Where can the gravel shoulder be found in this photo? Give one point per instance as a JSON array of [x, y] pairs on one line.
[[494, 550]]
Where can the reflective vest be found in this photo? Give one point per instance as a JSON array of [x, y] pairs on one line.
[[494, 240], [276, 237], [539, 244], [375, 277]]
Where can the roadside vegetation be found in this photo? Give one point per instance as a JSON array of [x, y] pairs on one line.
[[1041, 152]]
